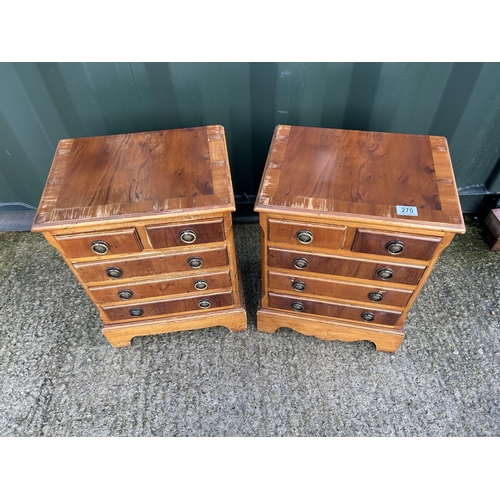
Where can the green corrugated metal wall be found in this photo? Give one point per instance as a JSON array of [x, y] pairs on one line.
[[41, 103]]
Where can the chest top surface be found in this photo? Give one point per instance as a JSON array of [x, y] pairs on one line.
[[108, 178], [362, 176]]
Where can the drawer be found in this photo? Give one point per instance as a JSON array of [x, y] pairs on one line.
[[332, 309], [146, 265], [158, 288], [145, 310], [83, 245], [396, 245], [173, 235], [375, 295], [344, 266], [306, 234]]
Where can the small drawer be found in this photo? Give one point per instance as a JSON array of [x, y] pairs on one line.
[[333, 310], [83, 245], [306, 234], [146, 310], [174, 235], [395, 245], [158, 288], [151, 265], [342, 266], [306, 285]]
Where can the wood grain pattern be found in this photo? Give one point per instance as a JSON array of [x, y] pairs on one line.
[[385, 339], [121, 334], [116, 177], [415, 246], [169, 235], [332, 309], [357, 174], [160, 287], [149, 265], [492, 229], [168, 306], [131, 196], [355, 180], [323, 236], [447, 238], [342, 266], [79, 245], [335, 289]]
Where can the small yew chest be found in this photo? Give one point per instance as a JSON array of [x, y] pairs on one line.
[[144, 222], [352, 224]]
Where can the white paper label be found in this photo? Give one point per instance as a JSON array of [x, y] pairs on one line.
[[406, 210]]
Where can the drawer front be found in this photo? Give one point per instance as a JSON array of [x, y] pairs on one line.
[[125, 269], [174, 235], [146, 310], [355, 268], [84, 245], [341, 311], [396, 245], [159, 288], [306, 235], [374, 295]]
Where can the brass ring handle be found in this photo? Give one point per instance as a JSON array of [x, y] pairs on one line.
[[304, 237], [114, 272], [385, 273], [300, 263], [367, 316], [375, 296], [195, 262], [125, 294], [201, 285], [99, 247], [297, 306], [204, 304], [299, 286], [136, 311], [395, 247], [187, 236]]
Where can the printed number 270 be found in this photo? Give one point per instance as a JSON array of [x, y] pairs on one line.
[[406, 210]]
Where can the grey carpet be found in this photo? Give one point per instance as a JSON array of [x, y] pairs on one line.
[[60, 377]]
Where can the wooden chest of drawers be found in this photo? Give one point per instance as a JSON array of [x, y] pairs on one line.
[[352, 224], [144, 222]]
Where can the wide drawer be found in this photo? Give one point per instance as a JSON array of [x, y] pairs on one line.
[[306, 234], [82, 245], [343, 266], [145, 310], [173, 235], [331, 309], [375, 295], [395, 244], [162, 287], [151, 265]]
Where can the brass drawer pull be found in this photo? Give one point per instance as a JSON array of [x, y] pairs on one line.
[[304, 237], [375, 296], [299, 286], [204, 304], [99, 247], [125, 294], [385, 273], [297, 306], [195, 262], [201, 285], [367, 316], [300, 263], [114, 272], [395, 247], [187, 236], [136, 311]]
